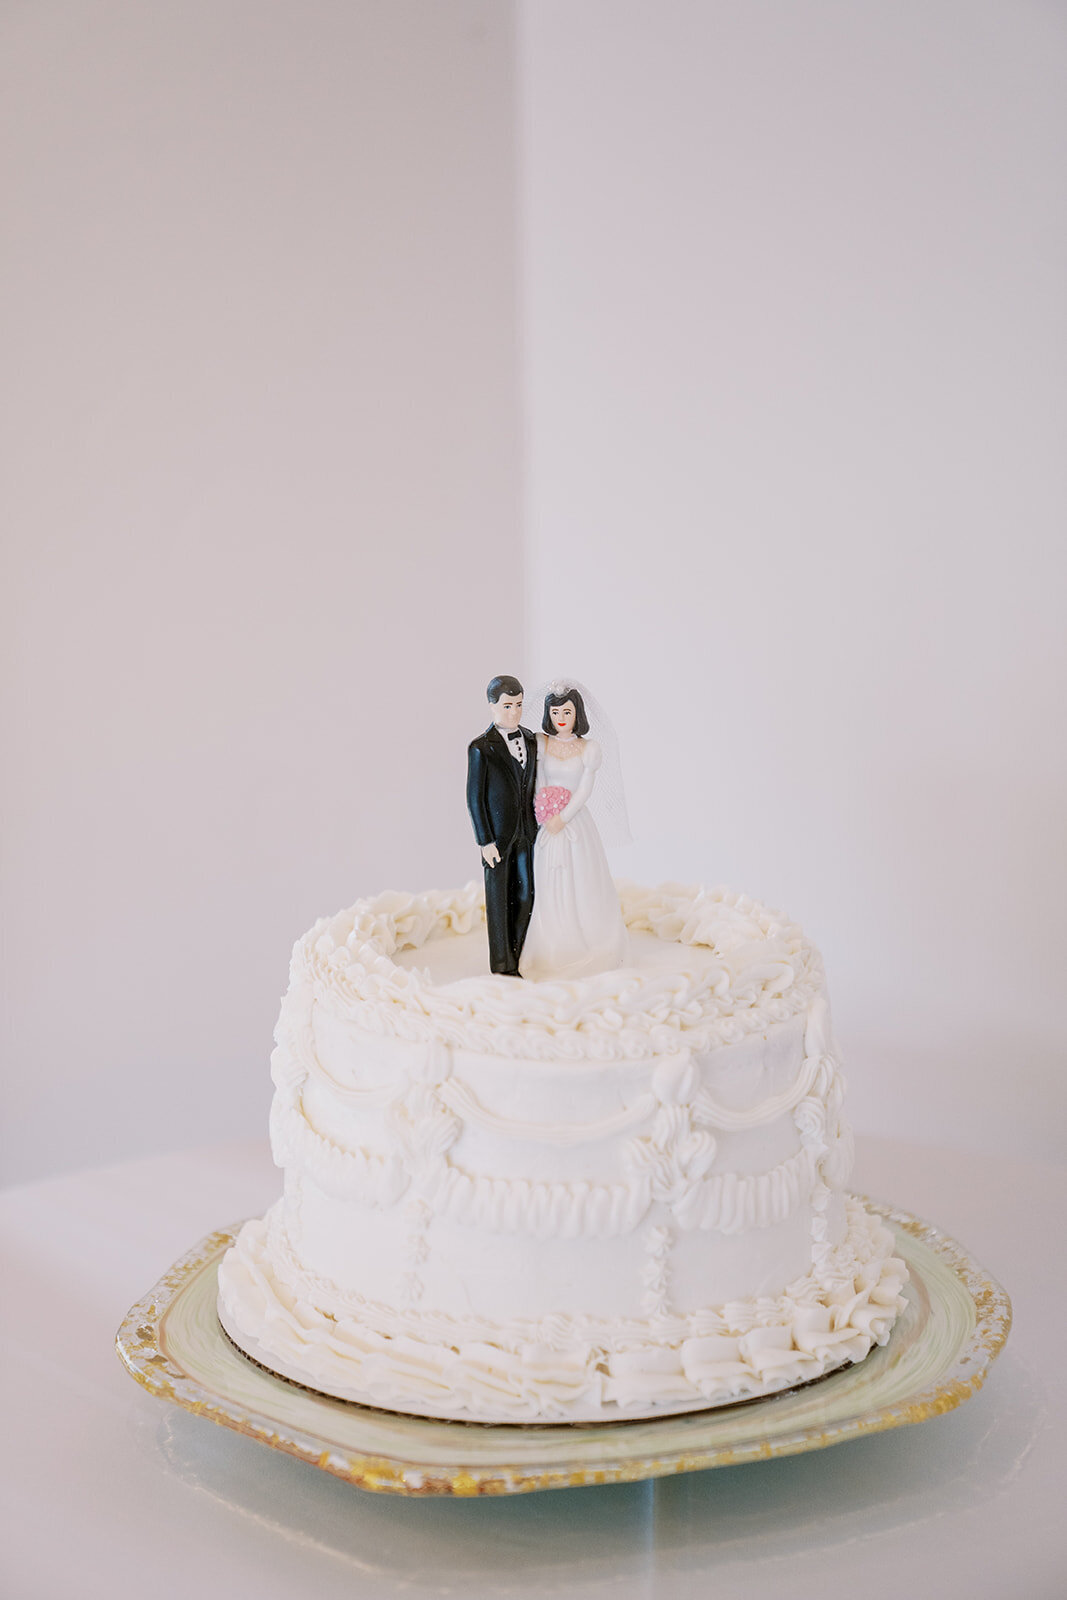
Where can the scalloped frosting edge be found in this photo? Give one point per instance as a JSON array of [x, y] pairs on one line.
[[767, 972], [669, 1161], [562, 1369]]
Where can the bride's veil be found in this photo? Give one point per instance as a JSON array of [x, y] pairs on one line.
[[608, 799]]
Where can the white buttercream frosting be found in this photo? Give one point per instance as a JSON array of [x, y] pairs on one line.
[[566, 1368], [518, 1201], [755, 967]]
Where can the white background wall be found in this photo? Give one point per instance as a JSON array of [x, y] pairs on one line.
[[261, 510], [796, 387], [789, 347]]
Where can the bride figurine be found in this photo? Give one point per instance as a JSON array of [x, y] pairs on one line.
[[576, 927]]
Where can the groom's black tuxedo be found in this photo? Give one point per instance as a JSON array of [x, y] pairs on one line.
[[500, 795]]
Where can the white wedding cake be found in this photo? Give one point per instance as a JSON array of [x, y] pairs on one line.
[[611, 1197]]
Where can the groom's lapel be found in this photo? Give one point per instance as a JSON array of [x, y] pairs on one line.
[[530, 773]]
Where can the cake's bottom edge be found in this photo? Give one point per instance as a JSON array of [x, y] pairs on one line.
[[813, 1329], [610, 1415]]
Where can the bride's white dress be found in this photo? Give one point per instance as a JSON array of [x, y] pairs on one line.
[[576, 928]]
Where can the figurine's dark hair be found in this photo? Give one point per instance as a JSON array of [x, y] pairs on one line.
[[581, 721], [499, 686]]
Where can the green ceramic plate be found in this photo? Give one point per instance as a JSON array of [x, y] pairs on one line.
[[954, 1325]]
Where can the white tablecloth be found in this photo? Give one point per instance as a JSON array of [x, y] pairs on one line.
[[108, 1491]]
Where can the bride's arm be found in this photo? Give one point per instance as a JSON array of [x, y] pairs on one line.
[[591, 758], [539, 776]]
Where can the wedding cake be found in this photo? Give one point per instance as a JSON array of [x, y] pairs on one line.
[[615, 1196]]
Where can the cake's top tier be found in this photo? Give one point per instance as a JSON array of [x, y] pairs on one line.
[[708, 968]]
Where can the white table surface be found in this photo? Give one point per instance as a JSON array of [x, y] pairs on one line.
[[108, 1491]]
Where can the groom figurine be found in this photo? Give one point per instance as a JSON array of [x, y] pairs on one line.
[[501, 771]]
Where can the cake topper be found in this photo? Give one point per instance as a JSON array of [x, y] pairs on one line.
[[501, 773], [576, 926]]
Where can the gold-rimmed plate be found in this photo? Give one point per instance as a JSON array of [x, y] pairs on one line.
[[954, 1324]]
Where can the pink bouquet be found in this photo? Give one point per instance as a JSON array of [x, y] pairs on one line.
[[549, 802]]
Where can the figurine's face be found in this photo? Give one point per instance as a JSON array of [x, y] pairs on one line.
[[562, 719], [507, 713]]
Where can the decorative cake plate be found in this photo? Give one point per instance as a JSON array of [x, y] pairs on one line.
[[954, 1325]]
